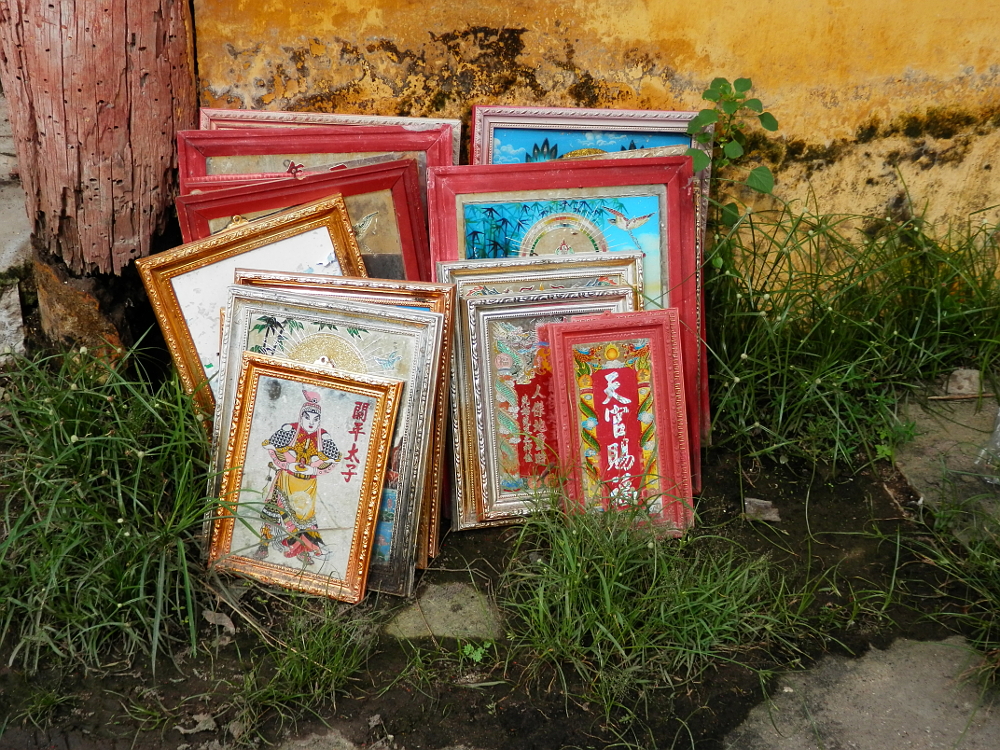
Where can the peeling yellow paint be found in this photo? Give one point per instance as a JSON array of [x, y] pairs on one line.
[[826, 70]]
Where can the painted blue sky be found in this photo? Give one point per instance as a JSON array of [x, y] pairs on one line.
[[508, 222], [511, 144]]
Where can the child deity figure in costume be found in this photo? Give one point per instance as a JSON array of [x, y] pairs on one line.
[[300, 452]]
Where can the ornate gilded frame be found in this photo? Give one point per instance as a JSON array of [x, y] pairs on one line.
[[327, 561], [410, 294], [501, 350], [402, 343], [620, 416], [188, 285]]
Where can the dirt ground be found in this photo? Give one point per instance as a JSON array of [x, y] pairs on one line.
[[848, 523]]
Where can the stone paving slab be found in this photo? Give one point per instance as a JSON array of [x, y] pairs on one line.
[[911, 696], [450, 610]]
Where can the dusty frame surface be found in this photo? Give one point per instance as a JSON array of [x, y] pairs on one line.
[[539, 207], [383, 202], [620, 418], [290, 514], [188, 285], [401, 343], [438, 298], [221, 119], [507, 451], [201, 153]]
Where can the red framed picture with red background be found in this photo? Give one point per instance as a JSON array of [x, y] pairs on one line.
[[620, 412]]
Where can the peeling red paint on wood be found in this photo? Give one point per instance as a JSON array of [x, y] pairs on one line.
[[97, 90]]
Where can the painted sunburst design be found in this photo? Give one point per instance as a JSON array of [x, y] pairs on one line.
[[339, 352]]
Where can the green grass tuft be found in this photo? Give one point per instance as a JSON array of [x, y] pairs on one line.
[[103, 479], [818, 322], [618, 612]]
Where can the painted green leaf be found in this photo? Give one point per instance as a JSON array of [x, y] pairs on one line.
[[590, 440]]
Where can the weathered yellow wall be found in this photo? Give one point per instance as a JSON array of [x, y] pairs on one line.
[[866, 91]]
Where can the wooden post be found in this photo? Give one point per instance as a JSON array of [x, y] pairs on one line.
[[97, 91]]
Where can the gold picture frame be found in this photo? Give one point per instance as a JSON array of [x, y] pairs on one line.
[[188, 285], [311, 526], [413, 294]]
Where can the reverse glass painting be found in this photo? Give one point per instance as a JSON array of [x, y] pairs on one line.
[[566, 225], [620, 402], [308, 452], [520, 145]]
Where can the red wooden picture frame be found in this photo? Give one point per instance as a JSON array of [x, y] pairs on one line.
[[620, 411], [310, 146], [451, 190], [195, 211]]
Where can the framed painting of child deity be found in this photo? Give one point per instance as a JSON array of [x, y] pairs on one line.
[[620, 418], [308, 451], [418, 295]]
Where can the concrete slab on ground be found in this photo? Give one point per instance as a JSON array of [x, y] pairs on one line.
[[939, 461], [911, 696], [450, 610]]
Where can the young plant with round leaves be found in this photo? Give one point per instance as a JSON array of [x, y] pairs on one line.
[[733, 113]]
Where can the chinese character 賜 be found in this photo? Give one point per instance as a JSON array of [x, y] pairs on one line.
[[619, 456]]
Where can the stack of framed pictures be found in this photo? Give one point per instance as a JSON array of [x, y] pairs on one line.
[[347, 295], [544, 209], [317, 337]]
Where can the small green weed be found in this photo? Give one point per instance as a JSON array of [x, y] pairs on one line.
[[305, 664], [42, 704], [476, 653]]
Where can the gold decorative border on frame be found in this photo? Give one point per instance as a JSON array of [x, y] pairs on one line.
[[387, 393], [161, 272]]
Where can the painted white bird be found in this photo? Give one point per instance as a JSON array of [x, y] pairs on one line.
[[620, 220]]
